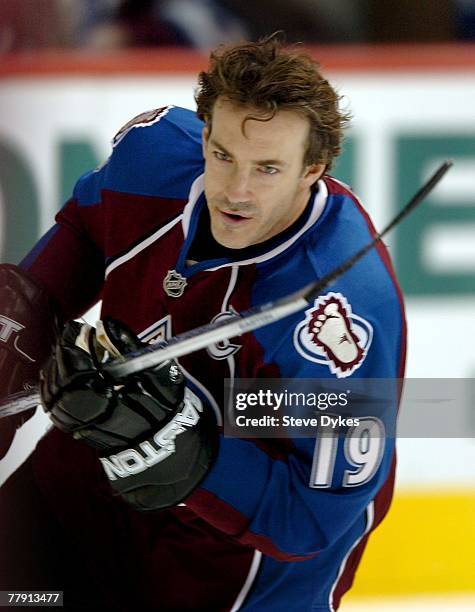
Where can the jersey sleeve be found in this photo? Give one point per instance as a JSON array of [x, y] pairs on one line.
[[68, 262], [112, 206]]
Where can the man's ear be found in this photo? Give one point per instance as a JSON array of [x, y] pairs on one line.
[[313, 173]]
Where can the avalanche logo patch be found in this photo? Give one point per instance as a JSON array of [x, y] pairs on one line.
[[141, 120], [332, 335]]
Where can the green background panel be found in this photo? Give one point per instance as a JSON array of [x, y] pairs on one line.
[[20, 214], [414, 153]]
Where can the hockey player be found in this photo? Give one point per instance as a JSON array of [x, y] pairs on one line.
[[197, 216]]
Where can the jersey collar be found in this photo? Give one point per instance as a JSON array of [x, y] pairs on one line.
[[190, 218]]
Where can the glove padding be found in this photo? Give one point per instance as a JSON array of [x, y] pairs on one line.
[[27, 331], [156, 438]]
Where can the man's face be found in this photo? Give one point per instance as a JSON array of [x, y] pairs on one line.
[[256, 183]]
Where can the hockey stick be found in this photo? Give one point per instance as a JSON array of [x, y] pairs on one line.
[[249, 320]]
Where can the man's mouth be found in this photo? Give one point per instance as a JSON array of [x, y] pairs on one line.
[[233, 216]]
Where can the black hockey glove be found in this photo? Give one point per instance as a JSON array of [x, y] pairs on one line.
[[155, 437], [27, 330]]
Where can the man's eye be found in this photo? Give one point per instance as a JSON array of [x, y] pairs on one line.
[[268, 170], [221, 156]]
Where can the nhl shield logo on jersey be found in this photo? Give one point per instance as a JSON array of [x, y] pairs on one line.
[[174, 284], [332, 335]]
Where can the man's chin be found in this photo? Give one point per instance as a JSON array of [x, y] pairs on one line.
[[234, 244], [231, 240]]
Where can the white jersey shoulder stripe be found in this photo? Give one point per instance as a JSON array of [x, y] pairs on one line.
[[196, 190], [142, 245]]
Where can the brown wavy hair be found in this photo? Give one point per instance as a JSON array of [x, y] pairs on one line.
[[266, 77]]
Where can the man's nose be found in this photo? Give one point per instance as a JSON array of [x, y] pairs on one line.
[[238, 187]]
